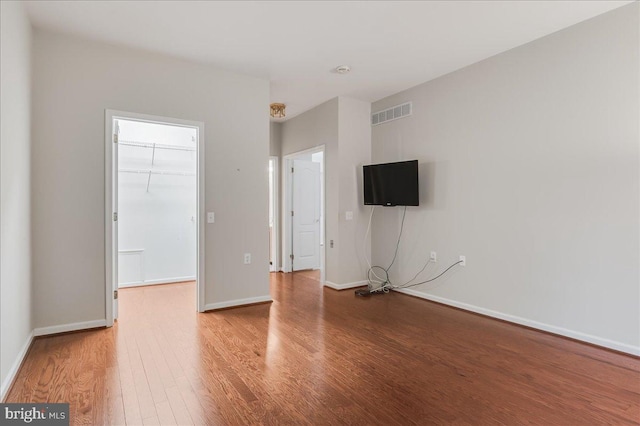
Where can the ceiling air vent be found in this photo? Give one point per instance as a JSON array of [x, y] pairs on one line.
[[393, 113]]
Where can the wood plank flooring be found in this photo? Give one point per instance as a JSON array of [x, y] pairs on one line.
[[318, 356]]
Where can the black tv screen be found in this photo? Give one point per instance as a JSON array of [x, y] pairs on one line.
[[391, 184]]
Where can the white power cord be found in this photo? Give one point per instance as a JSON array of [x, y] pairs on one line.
[[381, 281]]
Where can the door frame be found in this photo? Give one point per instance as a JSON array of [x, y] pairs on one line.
[[111, 260], [276, 214], [287, 190]]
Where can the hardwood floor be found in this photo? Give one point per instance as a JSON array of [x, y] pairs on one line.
[[319, 356]]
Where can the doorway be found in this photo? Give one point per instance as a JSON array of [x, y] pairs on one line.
[[154, 193], [304, 218]]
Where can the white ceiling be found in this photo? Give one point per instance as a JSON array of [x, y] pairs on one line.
[[390, 45]]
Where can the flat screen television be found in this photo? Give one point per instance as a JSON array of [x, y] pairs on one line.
[[391, 184]]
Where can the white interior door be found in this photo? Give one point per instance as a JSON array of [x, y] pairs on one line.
[[306, 215]]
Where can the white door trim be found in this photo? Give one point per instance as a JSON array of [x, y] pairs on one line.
[[287, 189], [110, 276], [276, 212]]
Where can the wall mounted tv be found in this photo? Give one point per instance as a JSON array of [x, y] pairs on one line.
[[391, 184]]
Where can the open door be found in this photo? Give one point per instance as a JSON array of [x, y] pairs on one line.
[[306, 215]]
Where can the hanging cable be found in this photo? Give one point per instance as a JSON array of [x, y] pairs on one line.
[[381, 283], [404, 213], [430, 279], [419, 272], [364, 250]]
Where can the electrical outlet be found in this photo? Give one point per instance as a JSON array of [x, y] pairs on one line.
[[247, 258], [463, 261], [433, 257]]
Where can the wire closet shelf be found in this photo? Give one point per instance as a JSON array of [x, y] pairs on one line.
[[157, 146]]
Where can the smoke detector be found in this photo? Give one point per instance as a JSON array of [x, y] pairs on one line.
[[343, 69]]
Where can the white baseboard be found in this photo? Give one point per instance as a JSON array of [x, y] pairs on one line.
[[237, 303], [63, 328], [599, 341], [155, 282], [13, 371], [346, 285]]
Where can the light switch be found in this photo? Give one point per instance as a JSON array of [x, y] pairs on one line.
[[349, 215], [211, 217]]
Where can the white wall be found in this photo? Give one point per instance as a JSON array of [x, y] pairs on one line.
[[275, 139], [157, 215], [15, 182], [354, 152], [74, 82], [529, 167]]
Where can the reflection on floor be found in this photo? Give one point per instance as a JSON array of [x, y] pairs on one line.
[[319, 356]]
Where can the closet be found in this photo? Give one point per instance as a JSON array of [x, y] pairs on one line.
[[156, 203]]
